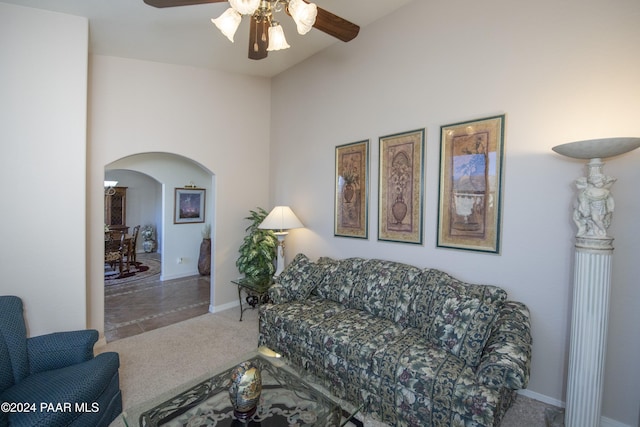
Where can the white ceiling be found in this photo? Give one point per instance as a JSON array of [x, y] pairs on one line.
[[185, 35]]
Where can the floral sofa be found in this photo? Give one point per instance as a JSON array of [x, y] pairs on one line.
[[415, 346]]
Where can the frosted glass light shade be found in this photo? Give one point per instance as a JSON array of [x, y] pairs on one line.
[[228, 23], [281, 218], [277, 41], [304, 14], [245, 7], [111, 184]]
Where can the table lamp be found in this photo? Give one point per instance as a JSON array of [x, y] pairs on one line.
[[280, 219]]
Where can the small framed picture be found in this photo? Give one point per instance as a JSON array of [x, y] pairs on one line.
[[189, 205], [470, 199], [400, 197], [352, 190]]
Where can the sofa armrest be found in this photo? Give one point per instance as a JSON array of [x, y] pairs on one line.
[[60, 349], [506, 360], [278, 294]]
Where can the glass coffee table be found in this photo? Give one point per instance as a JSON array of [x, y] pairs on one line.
[[289, 398]]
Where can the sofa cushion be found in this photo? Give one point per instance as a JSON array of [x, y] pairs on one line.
[[300, 277], [435, 286], [294, 317], [353, 335], [385, 290], [459, 316], [340, 278], [463, 326], [418, 376], [432, 386]]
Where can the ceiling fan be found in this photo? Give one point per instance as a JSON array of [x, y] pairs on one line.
[[266, 33]]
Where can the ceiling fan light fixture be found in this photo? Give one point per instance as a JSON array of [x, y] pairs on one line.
[[245, 7], [277, 41], [228, 23], [304, 14]]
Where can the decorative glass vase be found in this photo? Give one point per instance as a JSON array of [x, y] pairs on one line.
[[149, 245], [246, 386]]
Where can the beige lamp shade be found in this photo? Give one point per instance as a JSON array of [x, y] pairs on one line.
[[281, 218]]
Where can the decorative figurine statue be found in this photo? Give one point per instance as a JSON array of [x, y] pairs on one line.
[[595, 204]]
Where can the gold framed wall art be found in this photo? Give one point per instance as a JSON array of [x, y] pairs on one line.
[[351, 213], [400, 198], [189, 205], [470, 195]]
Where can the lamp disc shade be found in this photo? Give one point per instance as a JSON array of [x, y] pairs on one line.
[[597, 148], [277, 41], [281, 218], [245, 7], [228, 23]]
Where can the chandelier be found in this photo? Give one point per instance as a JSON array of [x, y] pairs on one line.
[[262, 14]]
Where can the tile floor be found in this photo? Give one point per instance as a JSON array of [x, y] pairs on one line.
[[133, 308]]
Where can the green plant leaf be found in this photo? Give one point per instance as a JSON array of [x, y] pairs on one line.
[[258, 248]]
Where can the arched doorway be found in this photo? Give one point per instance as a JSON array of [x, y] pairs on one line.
[[172, 291]]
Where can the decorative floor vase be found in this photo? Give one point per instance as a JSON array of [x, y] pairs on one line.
[[204, 261], [246, 386], [148, 245]]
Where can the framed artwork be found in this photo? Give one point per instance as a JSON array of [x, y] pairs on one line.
[[352, 190], [189, 205], [470, 199], [401, 186]]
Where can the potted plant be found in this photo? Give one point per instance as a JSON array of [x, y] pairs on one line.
[[258, 249]]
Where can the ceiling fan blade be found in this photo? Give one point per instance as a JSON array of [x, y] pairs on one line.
[[336, 26], [258, 39], [172, 3]]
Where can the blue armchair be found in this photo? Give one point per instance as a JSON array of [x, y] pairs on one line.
[[54, 379]]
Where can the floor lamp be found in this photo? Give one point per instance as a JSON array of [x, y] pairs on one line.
[[592, 215], [281, 218]]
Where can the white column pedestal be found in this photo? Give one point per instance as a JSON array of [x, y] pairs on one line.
[[592, 215], [591, 286]]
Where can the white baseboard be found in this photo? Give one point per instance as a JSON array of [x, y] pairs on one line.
[[604, 421], [219, 308], [608, 422], [541, 398], [164, 277]]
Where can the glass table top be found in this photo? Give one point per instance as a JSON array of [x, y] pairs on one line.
[[286, 400]]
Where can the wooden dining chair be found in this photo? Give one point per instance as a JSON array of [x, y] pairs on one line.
[[131, 256], [115, 250]]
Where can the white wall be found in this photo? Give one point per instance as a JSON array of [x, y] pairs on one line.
[[560, 71], [43, 87], [219, 120]]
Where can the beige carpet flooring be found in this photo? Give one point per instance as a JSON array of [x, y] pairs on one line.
[[163, 359]]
